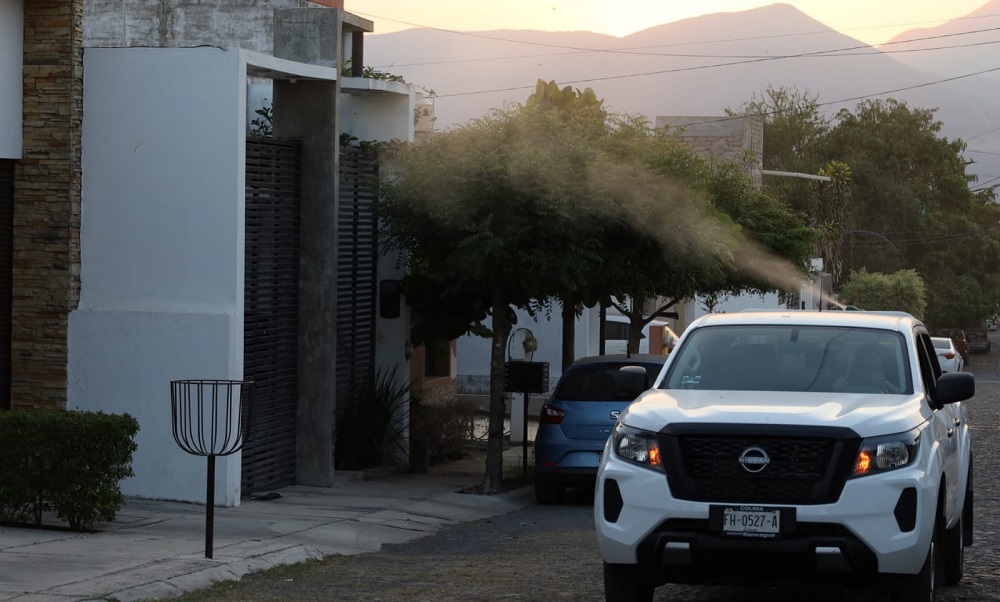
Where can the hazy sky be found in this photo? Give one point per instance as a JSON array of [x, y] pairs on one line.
[[871, 21]]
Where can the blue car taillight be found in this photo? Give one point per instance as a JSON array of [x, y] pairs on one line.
[[550, 415]]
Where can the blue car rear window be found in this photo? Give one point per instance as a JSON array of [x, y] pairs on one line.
[[597, 382]]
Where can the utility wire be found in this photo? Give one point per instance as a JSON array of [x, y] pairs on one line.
[[841, 52], [786, 35], [613, 77]]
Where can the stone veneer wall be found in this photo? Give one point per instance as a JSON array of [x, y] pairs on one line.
[[47, 203]]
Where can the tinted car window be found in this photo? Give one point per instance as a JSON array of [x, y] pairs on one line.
[[597, 382]]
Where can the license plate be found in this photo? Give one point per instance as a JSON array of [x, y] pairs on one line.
[[751, 521]]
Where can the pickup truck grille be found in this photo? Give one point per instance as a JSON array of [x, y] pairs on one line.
[[706, 467]]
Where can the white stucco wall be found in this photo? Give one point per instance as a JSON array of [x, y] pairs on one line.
[[473, 352], [373, 109], [11, 81], [162, 248], [695, 309]]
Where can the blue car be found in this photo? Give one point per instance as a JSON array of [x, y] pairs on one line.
[[576, 421]]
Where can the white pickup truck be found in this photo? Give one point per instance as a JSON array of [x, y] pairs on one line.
[[787, 448]]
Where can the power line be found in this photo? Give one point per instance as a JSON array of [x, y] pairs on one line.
[[841, 52], [787, 35], [983, 134], [631, 51], [665, 71]]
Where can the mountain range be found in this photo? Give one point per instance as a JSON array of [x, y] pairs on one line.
[[703, 65]]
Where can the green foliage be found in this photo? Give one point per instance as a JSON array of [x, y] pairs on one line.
[[69, 463], [900, 291], [900, 198], [371, 73], [793, 128], [372, 426], [263, 125]]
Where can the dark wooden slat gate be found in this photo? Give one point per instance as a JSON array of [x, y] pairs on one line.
[[6, 276], [271, 321], [357, 265]]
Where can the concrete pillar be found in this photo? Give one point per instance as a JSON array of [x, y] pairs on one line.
[[309, 111]]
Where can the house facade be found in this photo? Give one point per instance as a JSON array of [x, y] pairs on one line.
[[155, 239]]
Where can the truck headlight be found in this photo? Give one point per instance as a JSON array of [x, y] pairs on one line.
[[879, 454], [637, 446]]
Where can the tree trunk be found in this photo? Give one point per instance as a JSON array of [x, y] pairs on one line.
[[636, 323], [568, 334], [493, 483]]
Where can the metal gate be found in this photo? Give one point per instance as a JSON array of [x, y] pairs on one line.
[[357, 265], [271, 321], [6, 276]]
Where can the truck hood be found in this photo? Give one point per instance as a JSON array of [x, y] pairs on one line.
[[867, 415]]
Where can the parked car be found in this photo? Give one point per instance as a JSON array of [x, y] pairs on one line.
[[957, 335], [770, 451], [577, 419], [948, 356], [978, 336]]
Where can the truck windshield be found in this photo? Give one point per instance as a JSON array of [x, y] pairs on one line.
[[792, 358]]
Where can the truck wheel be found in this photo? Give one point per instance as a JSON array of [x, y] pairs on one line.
[[954, 568], [955, 563], [620, 588], [921, 587], [548, 493]]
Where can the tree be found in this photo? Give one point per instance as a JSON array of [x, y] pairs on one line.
[[912, 207], [491, 216], [569, 104], [530, 204], [829, 213], [793, 128], [737, 240], [900, 291]]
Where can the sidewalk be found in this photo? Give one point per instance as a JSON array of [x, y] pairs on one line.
[[157, 549]]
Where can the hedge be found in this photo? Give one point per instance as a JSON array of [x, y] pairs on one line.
[[67, 462]]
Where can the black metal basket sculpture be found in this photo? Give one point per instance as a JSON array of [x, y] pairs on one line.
[[207, 418]]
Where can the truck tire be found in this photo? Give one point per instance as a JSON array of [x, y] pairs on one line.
[[619, 587]]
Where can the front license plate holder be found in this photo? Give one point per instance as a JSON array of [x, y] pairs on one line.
[[750, 521]]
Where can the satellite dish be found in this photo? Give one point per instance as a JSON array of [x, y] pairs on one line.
[[521, 345]]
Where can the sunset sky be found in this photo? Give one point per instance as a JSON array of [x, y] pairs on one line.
[[871, 21]]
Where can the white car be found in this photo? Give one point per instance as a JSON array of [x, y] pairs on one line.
[[790, 447], [948, 356]]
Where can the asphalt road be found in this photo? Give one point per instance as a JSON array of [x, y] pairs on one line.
[[545, 553]]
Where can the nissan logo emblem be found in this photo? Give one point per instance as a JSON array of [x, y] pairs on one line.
[[754, 459]]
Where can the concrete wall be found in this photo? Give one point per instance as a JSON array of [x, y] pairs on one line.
[[738, 139], [163, 248], [474, 352], [182, 23], [377, 109], [164, 143], [11, 85]]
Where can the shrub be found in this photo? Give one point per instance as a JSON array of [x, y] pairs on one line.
[[70, 463], [371, 429], [444, 426]]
